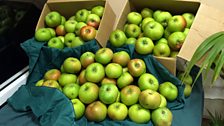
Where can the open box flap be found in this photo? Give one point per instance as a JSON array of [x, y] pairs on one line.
[[208, 21]]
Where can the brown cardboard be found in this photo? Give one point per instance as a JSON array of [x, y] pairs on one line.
[[68, 8], [208, 21], [174, 6]]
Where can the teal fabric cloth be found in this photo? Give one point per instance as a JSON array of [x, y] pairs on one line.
[[51, 108]]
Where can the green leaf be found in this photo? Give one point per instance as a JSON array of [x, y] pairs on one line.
[[218, 67]]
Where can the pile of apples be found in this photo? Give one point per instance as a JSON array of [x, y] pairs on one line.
[[111, 84], [79, 28], [154, 32]]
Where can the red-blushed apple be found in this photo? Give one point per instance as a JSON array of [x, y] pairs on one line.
[[72, 65], [88, 92], [55, 42], [176, 40], [134, 18], [66, 78], [77, 41], [70, 26], [130, 94], [117, 111], [98, 10], [60, 30], [81, 15], [153, 30], [104, 55], [138, 114], [145, 21], [96, 111], [149, 99], [39, 82], [108, 93], [124, 80], [93, 20], [148, 81], [81, 77], [71, 90], [69, 37], [163, 101], [132, 30], [187, 90], [95, 72], [51, 84], [117, 38], [113, 70], [146, 12], [88, 33], [136, 67], [42, 35], [176, 23], [52, 74], [189, 17], [162, 117], [87, 58], [161, 49], [144, 45], [53, 19], [78, 27], [79, 108], [108, 81], [163, 18], [168, 90]]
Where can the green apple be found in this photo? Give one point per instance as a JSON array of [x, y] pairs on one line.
[[108, 81], [167, 33], [96, 111], [168, 90], [71, 90], [69, 37], [145, 21], [78, 27], [176, 40], [162, 40], [81, 15], [174, 54], [88, 33], [163, 18], [148, 81], [161, 49], [95, 72], [186, 31], [63, 20], [62, 38], [117, 38], [146, 12], [163, 101], [144, 45], [121, 57], [117, 111], [134, 18], [81, 78], [52, 74], [77, 41], [65, 79], [55, 42], [51, 84], [104, 55], [153, 30], [132, 30], [130, 41], [72, 17], [87, 58], [124, 80], [72, 65], [52, 31], [70, 26], [130, 94], [187, 90], [187, 80], [138, 114], [39, 82], [162, 117], [156, 13], [176, 23], [136, 67], [88, 92], [60, 30], [53, 19], [113, 70], [98, 10], [189, 17], [42, 35], [79, 108], [108, 93], [149, 99]]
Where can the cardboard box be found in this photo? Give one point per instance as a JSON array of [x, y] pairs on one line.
[[173, 6], [68, 8]]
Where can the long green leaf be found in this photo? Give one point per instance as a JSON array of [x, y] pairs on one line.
[[201, 51], [218, 67]]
